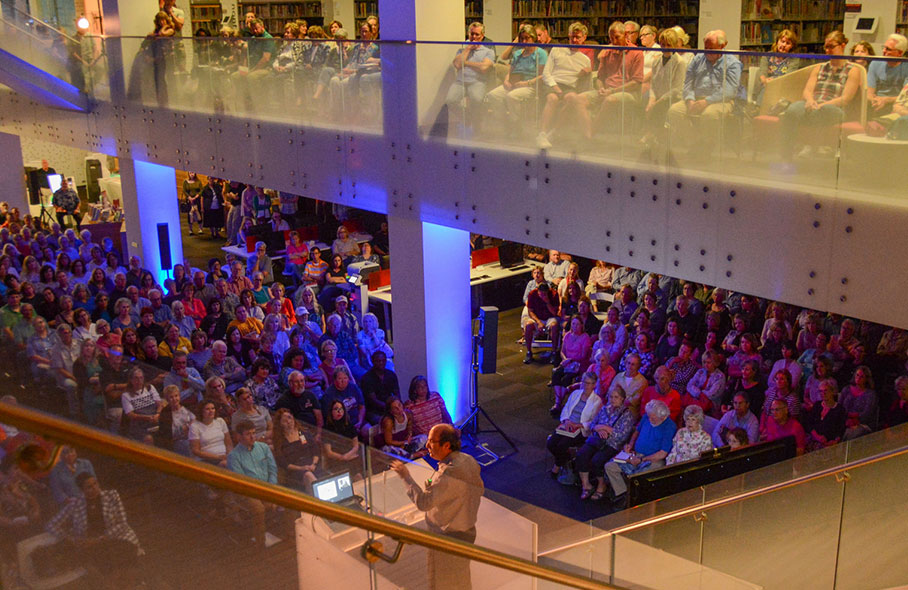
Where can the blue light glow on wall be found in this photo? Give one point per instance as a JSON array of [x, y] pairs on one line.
[[157, 203], [446, 252]]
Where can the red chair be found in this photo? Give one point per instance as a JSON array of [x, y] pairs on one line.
[[379, 279], [484, 256]]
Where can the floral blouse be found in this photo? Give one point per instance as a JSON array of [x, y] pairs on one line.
[[688, 445]]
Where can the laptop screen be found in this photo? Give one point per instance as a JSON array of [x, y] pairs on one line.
[[334, 489]]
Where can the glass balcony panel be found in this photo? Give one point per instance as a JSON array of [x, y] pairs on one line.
[[734, 533], [515, 96], [64, 56], [777, 473], [872, 537]]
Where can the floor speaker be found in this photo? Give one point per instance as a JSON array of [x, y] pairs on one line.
[[164, 246], [488, 340]]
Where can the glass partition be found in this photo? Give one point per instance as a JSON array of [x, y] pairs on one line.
[[816, 533], [315, 82], [188, 530], [734, 113], [73, 59]]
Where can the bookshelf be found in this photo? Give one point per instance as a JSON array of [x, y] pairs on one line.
[[597, 15], [812, 20], [277, 14], [901, 18], [362, 9], [472, 12], [206, 15]]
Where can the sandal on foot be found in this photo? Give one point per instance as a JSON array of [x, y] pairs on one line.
[[585, 494], [596, 496]]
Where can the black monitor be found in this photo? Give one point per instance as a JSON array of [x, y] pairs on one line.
[[510, 254], [274, 240]]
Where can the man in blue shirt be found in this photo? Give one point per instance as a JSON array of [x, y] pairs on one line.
[[253, 459], [648, 447], [710, 87], [472, 65], [885, 79]]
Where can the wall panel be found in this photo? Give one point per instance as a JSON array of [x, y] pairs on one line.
[[760, 236]]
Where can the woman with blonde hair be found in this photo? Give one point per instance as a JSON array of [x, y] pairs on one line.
[[774, 66]]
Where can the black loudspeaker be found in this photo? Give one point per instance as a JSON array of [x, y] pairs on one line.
[[488, 340], [164, 246], [36, 179], [92, 174]]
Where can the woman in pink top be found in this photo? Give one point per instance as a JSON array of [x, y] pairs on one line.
[[297, 255], [575, 356], [428, 409]]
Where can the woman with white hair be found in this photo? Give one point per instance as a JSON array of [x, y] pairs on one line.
[[690, 440], [370, 340]]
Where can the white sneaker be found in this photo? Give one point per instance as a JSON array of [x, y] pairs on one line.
[[542, 141]]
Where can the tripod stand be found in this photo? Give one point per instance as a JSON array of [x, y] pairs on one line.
[[470, 425], [46, 220]]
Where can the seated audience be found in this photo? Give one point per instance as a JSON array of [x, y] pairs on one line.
[[562, 78], [690, 440], [632, 382], [396, 435], [772, 67], [609, 431], [828, 92], [209, 437], [778, 424], [543, 313], [861, 403], [648, 447], [575, 357], [295, 453], [247, 410], [174, 423], [340, 443], [738, 416], [95, 533], [576, 416], [662, 390], [378, 384], [710, 86], [253, 459], [825, 422]]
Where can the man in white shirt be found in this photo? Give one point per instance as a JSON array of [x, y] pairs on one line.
[[561, 78], [556, 268]]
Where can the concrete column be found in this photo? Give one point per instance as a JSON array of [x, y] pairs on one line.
[[430, 286], [113, 28], [12, 173], [150, 198], [418, 70], [430, 264]]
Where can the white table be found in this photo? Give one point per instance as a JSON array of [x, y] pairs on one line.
[[241, 253], [874, 163], [481, 275]]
